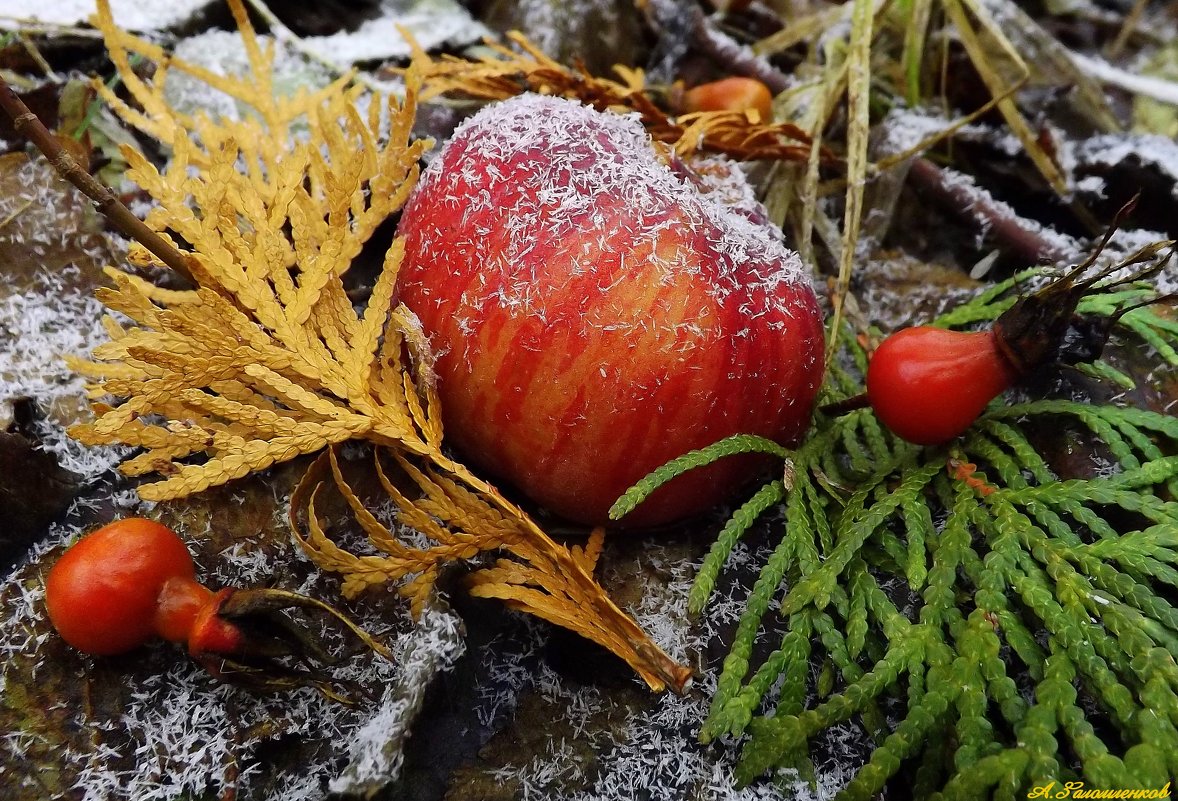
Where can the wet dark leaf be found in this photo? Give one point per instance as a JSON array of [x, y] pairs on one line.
[[35, 490]]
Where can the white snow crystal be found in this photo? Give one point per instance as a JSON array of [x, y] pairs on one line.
[[133, 15]]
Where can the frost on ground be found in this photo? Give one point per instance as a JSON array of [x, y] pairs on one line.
[[134, 15], [595, 750], [1155, 154], [47, 309], [223, 53], [38, 329], [433, 23]]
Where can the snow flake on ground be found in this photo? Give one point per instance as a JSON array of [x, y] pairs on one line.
[[1110, 150], [223, 53], [655, 752], [133, 15], [433, 23], [38, 329]]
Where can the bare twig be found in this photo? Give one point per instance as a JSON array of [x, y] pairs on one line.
[[845, 406], [26, 124], [1145, 85], [1015, 235], [735, 56], [35, 27], [738, 58]]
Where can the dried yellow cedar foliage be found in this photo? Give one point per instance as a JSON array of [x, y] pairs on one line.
[[267, 359], [504, 73]]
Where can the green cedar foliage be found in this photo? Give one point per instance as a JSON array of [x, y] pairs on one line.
[[1017, 628]]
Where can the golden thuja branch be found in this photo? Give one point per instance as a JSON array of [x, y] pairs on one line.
[[266, 358], [505, 73], [463, 516]]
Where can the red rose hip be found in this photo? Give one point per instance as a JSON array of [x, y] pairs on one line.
[[132, 580], [929, 384], [121, 585]]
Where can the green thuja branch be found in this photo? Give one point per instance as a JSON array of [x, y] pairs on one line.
[[768, 496], [730, 446], [991, 626]]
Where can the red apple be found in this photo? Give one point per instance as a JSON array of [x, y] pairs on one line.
[[597, 311]]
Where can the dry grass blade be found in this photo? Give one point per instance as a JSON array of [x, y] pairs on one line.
[[989, 68], [859, 129], [506, 73], [1052, 62], [798, 30], [919, 13]]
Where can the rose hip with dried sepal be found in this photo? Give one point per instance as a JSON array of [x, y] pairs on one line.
[[131, 580], [928, 385]]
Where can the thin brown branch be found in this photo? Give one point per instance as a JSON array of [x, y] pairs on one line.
[[732, 55], [29, 126], [1019, 237]]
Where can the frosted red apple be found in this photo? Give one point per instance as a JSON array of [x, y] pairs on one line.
[[596, 311]]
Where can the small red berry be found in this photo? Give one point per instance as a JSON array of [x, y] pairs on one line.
[[928, 384], [119, 586], [104, 594], [731, 94]]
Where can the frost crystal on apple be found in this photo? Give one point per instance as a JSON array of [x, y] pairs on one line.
[[578, 156]]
